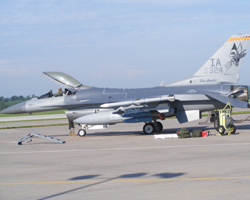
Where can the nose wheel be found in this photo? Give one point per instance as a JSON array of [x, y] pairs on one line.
[[82, 132]]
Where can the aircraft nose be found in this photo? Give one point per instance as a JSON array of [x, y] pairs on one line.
[[16, 109]]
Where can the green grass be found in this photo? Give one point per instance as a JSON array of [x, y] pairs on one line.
[[38, 113], [241, 112]]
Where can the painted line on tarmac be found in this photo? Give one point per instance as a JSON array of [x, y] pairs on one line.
[[131, 180], [123, 149]]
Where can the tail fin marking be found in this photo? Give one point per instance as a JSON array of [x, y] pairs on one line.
[[224, 65]]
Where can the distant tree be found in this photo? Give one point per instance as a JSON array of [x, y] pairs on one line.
[[1, 98], [21, 97], [6, 100], [14, 98], [2, 105], [33, 96]]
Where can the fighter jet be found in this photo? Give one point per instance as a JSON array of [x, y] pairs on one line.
[[210, 88]]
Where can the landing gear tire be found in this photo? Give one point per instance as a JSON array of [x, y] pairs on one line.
[[221, 130], [82, 132], [212, 118], [216, 124], [148, 128], [158, 126], [233, 129]]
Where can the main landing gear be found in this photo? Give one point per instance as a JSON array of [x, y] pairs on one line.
[[151, 127]]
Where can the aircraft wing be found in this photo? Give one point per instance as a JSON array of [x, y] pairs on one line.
[[224, 99], [147, 109]]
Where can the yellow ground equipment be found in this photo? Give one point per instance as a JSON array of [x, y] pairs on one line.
[[223, 121]]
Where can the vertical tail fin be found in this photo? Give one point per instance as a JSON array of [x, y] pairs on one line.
[[224, 65]]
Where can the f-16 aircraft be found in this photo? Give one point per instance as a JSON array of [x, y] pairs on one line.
[[210, 88]]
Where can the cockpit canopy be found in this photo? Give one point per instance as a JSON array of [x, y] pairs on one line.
[[64, 80]]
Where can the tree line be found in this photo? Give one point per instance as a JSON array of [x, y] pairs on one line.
[[6, 102]]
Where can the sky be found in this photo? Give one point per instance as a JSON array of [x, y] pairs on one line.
[[113, 43]]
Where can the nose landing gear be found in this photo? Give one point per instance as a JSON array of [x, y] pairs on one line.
[[82, 132]]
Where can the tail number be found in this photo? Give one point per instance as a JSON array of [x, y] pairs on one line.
[[215, 67], [213, 70]]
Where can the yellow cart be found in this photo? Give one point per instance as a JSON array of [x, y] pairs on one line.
[[223, 121]]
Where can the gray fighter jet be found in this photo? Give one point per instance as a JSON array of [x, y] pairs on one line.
[[210, 88]]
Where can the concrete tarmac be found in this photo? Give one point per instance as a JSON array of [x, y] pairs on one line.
[[121, 163]]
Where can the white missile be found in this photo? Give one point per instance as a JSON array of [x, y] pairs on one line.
[[100, 118]]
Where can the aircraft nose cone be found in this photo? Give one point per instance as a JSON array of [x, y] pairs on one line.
[[16, 109]]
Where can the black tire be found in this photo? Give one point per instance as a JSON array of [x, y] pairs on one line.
[[158, 127], [82, 132], [212, 118], [233, 129], [216, 123], [221, 130], [149, 128]]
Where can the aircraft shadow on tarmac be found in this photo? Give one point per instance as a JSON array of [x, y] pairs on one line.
[[245, 126], [77, 178], [168, 175], [124, 176]]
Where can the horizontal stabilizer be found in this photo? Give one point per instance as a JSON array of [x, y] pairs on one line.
[[225, 99]]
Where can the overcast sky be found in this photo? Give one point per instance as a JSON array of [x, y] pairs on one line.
[[113, 43]]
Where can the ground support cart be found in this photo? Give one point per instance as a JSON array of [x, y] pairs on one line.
[[223, 121]]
